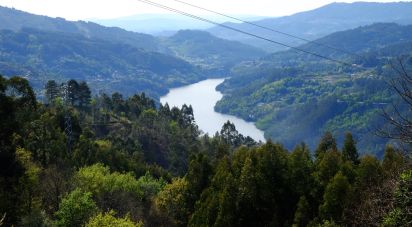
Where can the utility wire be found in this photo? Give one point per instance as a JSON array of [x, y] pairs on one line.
[[244, 32], [269, 29]]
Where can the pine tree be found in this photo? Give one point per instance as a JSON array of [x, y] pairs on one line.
[[349, 151], [327, 143], [84, 95], [52, 91]]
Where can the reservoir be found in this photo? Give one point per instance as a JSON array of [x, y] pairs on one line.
[[203, 97]]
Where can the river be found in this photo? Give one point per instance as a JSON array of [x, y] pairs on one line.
[[203, 97]]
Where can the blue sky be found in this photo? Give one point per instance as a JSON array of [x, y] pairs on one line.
[[83, 9]]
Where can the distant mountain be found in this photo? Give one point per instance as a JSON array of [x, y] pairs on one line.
[[352, 42], [15, 20], [296, 97], [212, 54], [320, 22], [41, 56], [209, 52], [158, 24]]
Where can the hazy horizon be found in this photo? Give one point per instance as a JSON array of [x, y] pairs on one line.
[[81, 10]]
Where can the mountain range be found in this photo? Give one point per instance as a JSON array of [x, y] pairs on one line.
[[111, 58], [317, 23], [162, 24]]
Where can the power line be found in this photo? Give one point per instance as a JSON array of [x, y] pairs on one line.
[[268, 28], [244, 32]]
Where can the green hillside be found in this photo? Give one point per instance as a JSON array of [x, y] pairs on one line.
[[15, 20], [209, 52], [296, 97], [107, 66]]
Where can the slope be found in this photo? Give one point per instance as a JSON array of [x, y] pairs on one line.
[[15, 20], [320, 22], [295, 97], [42, 56], [211, 53]]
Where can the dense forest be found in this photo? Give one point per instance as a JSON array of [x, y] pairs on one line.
[[106, 160]]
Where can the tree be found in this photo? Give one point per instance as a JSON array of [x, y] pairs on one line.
[[393, 161], [73, 92], [399, 119], [349, 151], [188, 118], [75, 209], [327, 143], [327, 167], [52, 91], [401, 215], [197, 178], [232, 137], [301, 167], [335, 198], [119, 191], [84, 95], [369, 172], [108, 220], [173, 201], [17, 106], [302, 214], [216, 206]]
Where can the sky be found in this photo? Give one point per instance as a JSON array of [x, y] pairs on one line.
[[105, 9]]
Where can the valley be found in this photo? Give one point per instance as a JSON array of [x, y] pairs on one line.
[[301, 119]]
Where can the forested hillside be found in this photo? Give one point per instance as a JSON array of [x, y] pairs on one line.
[[127, 163], [15, 20], [111, 59], [296, 97], [84, 140], [107, 66], [213, 54], [319, 22]]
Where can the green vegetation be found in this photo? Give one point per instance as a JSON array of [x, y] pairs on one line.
[[107, 66], [108, 220], [111, 59], [133, 164], [16, 20], [215, 55], [296, 97]]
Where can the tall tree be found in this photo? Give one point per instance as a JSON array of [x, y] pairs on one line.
[[335, 198], [17, 105], [84, 95], [230, 135], [73, 92], [52, 91], [349, 151], [327, 143]]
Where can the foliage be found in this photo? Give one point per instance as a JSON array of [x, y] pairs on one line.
[[401, 215], [209, 52], [63, 56], [108, 219], [76, 208], [133, 163], [310, 96], [172, 201]]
